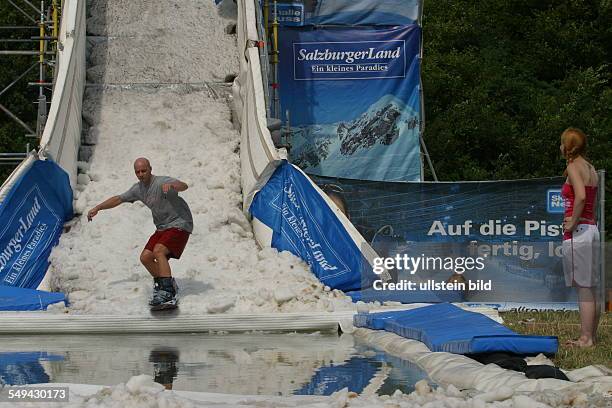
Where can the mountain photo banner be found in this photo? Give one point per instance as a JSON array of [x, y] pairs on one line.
[[351, 99]]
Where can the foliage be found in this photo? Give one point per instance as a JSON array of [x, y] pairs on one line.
[[503, 79], [20, 98]]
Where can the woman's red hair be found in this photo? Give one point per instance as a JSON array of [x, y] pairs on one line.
[[574, 142]]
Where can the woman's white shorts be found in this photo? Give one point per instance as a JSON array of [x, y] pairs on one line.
[[581, 257]]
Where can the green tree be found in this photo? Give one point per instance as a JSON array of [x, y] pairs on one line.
[[503, 79]]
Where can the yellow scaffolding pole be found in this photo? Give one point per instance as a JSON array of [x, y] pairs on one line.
[[275, 60], [266, 16], [55, 24], [41, 33], [275, 25]]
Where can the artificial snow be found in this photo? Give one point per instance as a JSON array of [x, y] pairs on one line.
[[141, 392], [187, 134], [185, 129]]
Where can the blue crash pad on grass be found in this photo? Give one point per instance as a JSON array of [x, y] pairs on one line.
[[15, 299], [445, 327], [376, 321]]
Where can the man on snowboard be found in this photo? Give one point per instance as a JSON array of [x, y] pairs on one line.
[[173, 222]]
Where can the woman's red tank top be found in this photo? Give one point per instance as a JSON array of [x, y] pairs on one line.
[[588, 212]]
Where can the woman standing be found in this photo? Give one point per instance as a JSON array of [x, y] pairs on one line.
[[581, 236]]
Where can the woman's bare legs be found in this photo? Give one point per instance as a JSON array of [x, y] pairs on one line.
[[589, 316]]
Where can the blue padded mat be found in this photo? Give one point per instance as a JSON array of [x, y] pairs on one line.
[[17, 299], [376, 321], [445, 327]]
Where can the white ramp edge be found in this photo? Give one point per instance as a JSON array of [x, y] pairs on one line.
[[61, 137], [16, 175], [167, 322], [175, 322]]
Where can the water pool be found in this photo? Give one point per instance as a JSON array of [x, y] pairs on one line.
[[250, 364]]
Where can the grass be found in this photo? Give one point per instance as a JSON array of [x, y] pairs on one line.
[[566, 326]]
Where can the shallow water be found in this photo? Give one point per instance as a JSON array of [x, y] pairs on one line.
[[252, 364]]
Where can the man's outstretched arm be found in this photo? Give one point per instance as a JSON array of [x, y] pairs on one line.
[[105, 205], [176, 185]]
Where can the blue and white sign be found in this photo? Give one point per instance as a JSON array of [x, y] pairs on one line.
[[303, 224], [554, 201], [31, 220], [353, 98], [349, 60], [363, 12], [291, 14], [505, 229], [344, 12]]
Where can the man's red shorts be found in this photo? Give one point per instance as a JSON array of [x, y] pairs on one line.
[[174, 239]]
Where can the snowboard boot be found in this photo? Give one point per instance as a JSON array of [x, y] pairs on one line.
[[164, 294]]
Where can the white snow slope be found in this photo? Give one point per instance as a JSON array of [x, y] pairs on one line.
[[184, 127]]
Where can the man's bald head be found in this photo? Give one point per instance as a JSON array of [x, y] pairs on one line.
[[142, 161], [142, 168]]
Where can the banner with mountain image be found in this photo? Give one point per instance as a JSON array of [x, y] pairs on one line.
[[353, 100]]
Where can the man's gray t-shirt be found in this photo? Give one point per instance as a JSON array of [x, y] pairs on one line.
[[169, 210]]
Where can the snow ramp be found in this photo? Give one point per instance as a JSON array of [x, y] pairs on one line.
[[156, 88]]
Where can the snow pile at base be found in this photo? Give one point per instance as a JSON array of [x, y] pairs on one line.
[[142, 392], [187, 133]]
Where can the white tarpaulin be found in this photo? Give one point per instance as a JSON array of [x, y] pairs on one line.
[[62, 134]]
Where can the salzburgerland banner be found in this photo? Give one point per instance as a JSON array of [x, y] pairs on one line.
[[490, 242], [31, 219], [303, 224], [353, 100]]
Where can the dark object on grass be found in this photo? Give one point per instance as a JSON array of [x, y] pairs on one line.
[[545, 371], [517, 363]]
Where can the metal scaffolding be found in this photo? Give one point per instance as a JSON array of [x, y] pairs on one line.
[[45, 22]]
